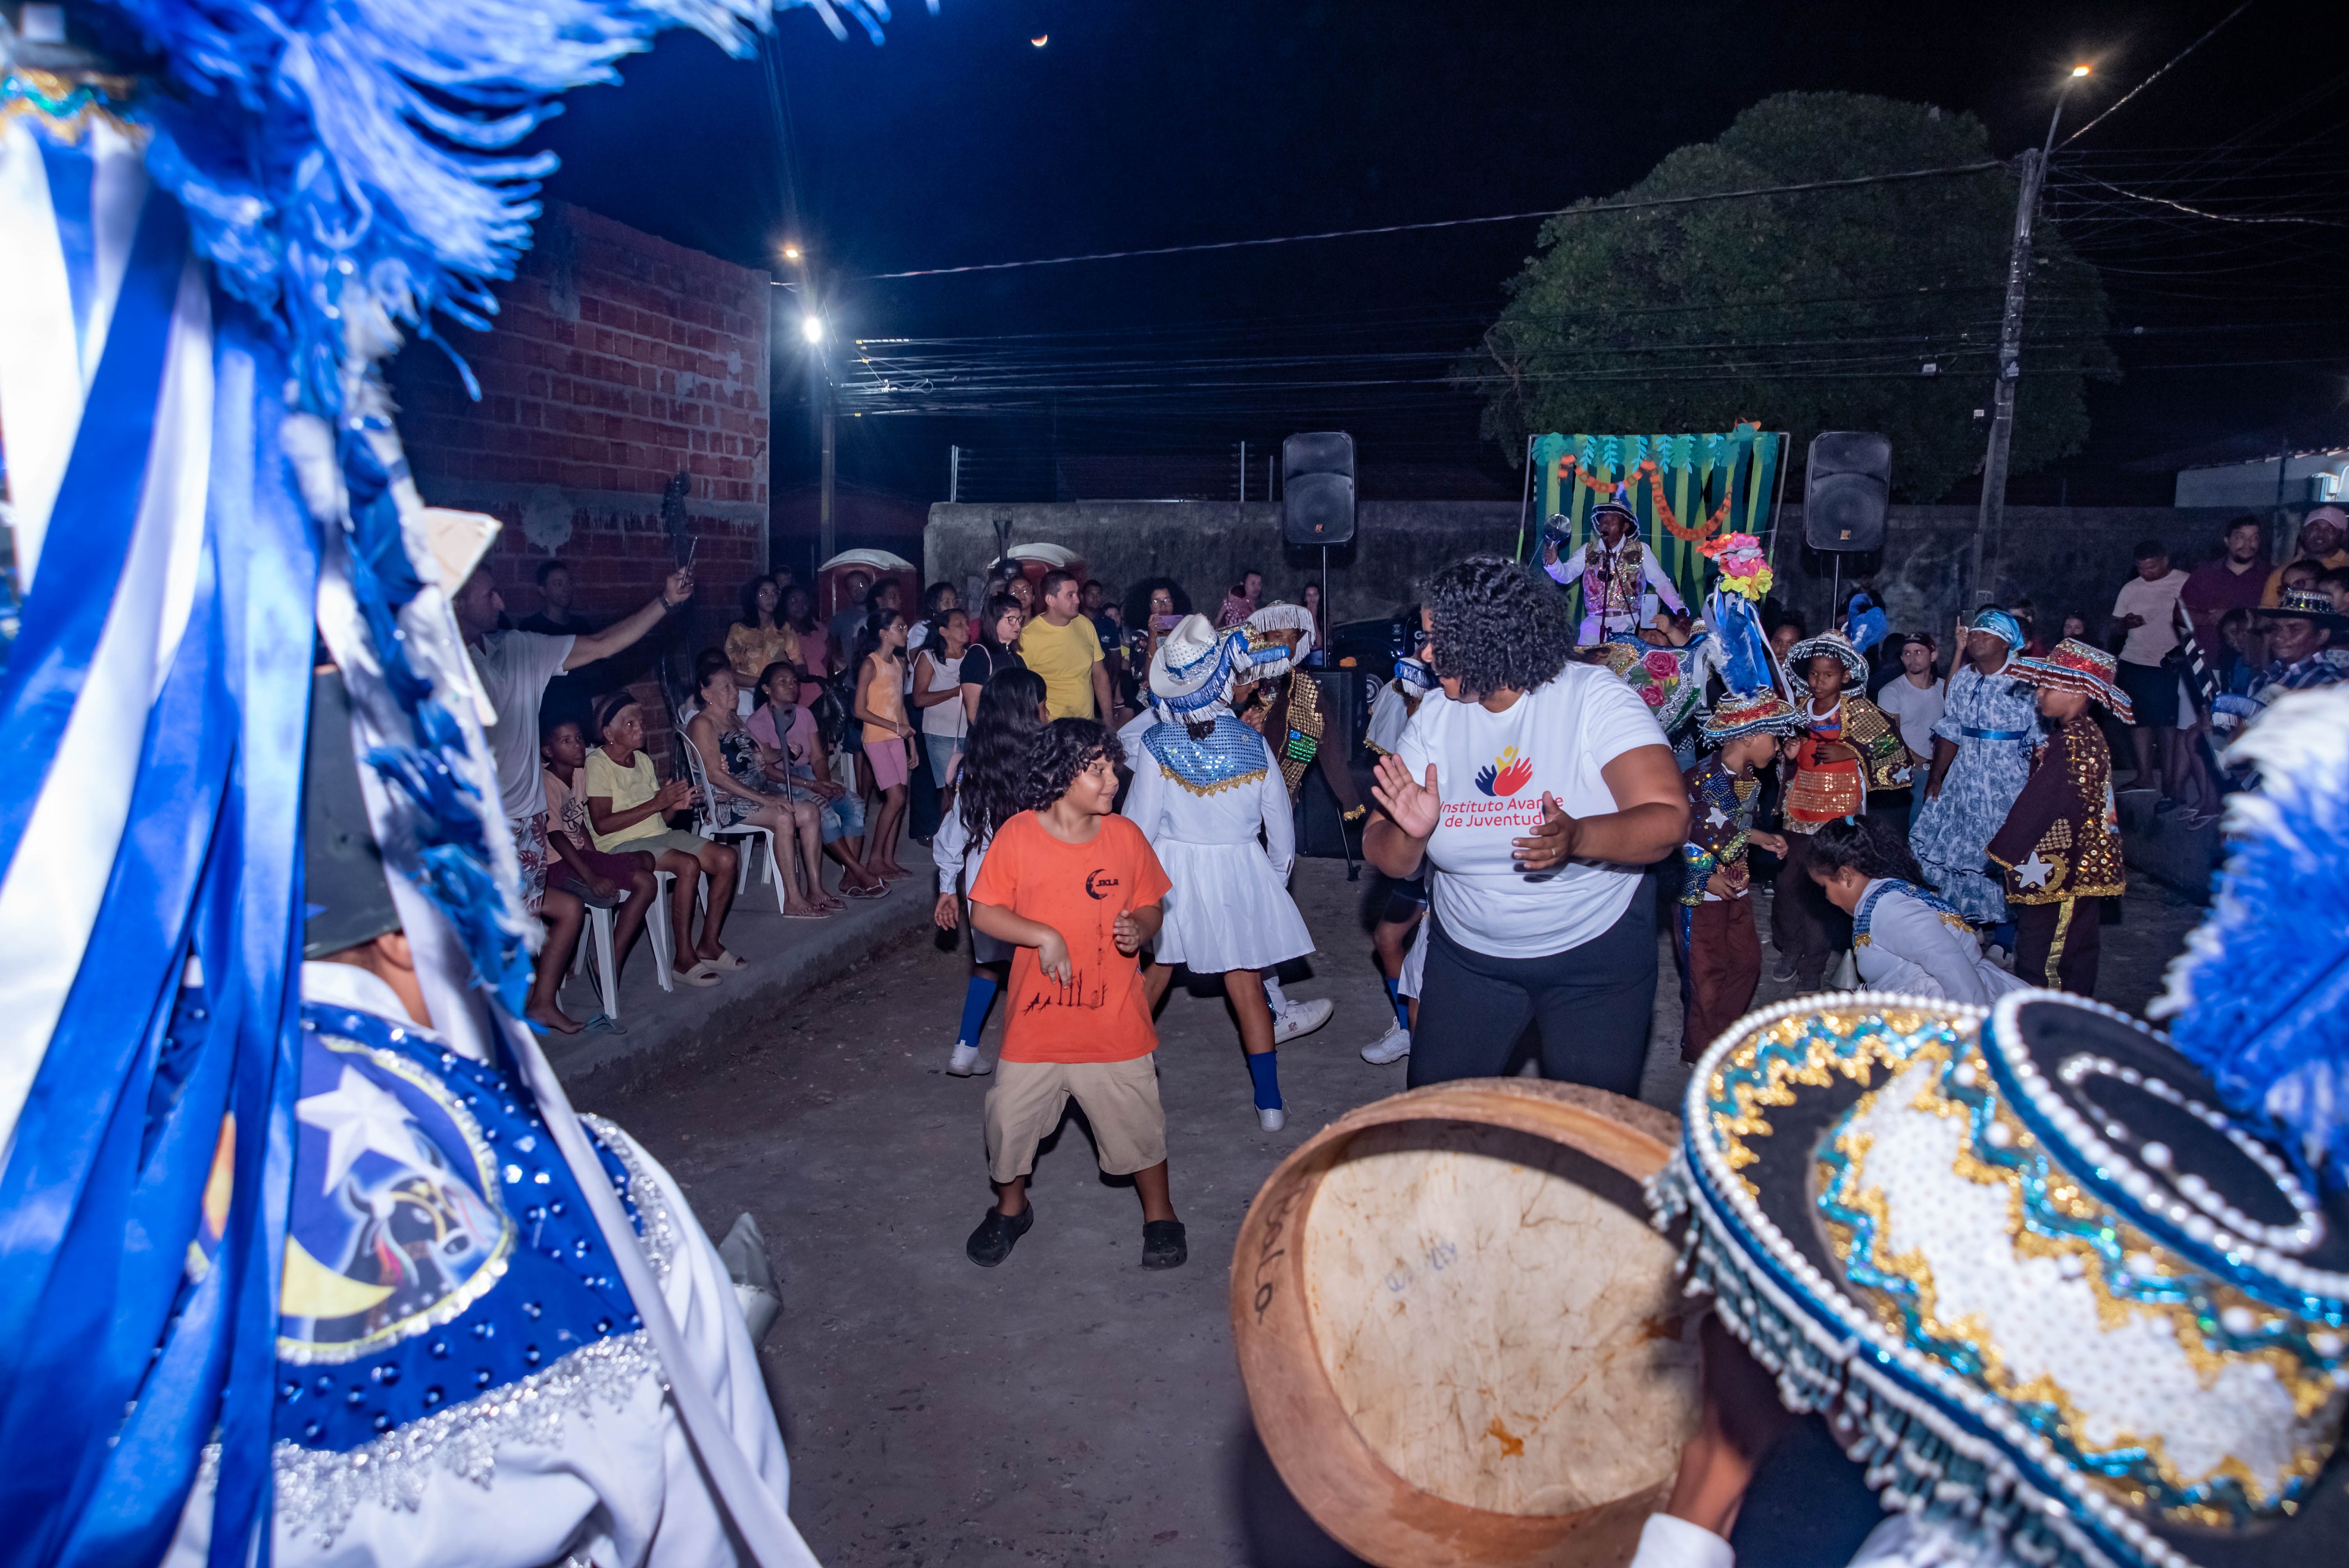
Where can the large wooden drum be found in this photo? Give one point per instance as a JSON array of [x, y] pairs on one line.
[[1461, 1337]]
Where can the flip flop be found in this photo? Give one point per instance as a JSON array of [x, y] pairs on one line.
[[701, 973], [807, 913], [726, 960], [880, 892], [603, 1024]]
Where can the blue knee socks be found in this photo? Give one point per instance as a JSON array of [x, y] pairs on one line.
[[1402, 1007], [977, 998], [1266, 1070]]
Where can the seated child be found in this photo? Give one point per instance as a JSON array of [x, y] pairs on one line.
[[1903, 938], [1077, 892]]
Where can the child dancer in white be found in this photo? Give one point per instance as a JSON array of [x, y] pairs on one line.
[[1205, 786]]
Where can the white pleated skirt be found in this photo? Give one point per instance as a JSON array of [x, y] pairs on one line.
[[1227, 910]]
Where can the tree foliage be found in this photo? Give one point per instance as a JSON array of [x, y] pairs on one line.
[[1808, 310]]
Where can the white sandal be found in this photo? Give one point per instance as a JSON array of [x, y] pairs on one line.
[[702, 974]]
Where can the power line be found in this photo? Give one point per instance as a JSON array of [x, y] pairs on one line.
[[2158, 75], [1575, 211]]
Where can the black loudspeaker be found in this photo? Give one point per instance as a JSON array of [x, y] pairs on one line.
[[1846, 491], [1317, 488]]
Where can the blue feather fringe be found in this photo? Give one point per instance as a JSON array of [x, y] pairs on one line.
[[2259, 999]]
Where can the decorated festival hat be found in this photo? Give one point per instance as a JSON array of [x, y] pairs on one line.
[[2309, 605], [2075, 666], [1833, 644], [1618, 503], [1264, 628], [1747, 713], [1191, 668], [2074, 1292]]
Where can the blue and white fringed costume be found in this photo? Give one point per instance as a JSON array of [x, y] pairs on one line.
[[197, 278], [1201, 801]]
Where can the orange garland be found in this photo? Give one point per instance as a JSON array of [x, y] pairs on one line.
[[1697, 535]]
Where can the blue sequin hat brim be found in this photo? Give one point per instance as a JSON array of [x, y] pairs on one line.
[[1937, 1439]]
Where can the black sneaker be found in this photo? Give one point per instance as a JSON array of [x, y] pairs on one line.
[[991, 1243], [1162, 1244]]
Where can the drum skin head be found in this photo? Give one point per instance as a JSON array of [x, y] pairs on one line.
[[1461, 1337]]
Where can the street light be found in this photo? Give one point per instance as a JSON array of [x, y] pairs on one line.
[[2079, 70], [812, 328], [791, 252]]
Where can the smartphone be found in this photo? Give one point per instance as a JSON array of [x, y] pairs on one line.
[[1162, 625]]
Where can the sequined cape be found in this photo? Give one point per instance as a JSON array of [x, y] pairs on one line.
[[1228, 756], [2062, 840]]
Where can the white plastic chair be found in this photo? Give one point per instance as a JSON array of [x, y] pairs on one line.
[[706, 825], [663, 941]]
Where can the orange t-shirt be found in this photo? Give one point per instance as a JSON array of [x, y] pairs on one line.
[[1078, 890]]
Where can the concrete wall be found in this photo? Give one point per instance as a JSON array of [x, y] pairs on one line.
[[1205, 545], [615, 360], [2065, 559]]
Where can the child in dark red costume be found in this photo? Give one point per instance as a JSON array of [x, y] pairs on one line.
[[2061, 845]]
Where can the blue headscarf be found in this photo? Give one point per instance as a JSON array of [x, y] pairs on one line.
[[1998, 623]]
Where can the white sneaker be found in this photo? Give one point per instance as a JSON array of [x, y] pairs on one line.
[[1390, 1047], [1300, 1019], [1271, 1121], [966, 1060]]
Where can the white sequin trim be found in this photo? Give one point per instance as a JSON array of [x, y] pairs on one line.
[[319, 1491], [659, 1237]]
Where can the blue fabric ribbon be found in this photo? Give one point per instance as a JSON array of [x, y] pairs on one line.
[[1970, 733], [91, 526]]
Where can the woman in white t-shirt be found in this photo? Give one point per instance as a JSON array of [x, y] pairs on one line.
[[1540, 789]]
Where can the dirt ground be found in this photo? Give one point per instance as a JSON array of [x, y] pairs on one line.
[[1067, 1407]]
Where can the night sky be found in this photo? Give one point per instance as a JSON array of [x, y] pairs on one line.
[[1156, 124]]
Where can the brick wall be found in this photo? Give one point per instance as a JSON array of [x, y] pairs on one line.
[[616, 360]]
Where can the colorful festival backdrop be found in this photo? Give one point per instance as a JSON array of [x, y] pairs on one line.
[[1687, 490]]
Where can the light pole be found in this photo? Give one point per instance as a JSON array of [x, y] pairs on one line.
[[1990, 521]]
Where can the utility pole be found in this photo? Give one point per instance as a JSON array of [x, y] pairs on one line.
[[1989, 522], [827, 536]]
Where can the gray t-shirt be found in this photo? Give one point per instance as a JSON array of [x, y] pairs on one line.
[[514, 667]]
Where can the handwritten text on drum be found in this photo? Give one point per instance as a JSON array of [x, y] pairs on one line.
[[1440, 1255], [1267, 1252]]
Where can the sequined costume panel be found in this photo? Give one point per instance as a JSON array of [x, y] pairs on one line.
[[2061, 840], [1950, 830], [1721, 813]]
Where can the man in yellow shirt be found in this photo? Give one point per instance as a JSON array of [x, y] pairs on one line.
[[1062, 646], [2322, 532]]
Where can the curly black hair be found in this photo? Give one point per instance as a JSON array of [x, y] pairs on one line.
[[994, 753], [1065, 749], [1497, 626], [1137, 600], [1873, 846]]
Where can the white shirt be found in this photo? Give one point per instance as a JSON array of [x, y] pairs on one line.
[[945, 719], [514, 667], [1913, 947], [1389, 715], [1914, 710], [2155, 601], [1491, 770]]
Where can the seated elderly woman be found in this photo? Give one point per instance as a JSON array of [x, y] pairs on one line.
[[742, 793], [627, 810]]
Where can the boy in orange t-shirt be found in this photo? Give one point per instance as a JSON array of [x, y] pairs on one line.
[[1076, 890]]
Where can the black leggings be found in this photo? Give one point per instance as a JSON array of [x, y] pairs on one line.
[[1591, 1005]]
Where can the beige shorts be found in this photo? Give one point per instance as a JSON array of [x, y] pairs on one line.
[[1120, 1101]]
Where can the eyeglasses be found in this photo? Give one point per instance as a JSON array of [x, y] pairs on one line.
[[1421, 639]]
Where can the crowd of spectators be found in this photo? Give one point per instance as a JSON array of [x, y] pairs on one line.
[[820, 741]]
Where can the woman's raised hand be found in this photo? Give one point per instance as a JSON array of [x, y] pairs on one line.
[[1411, 805]]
